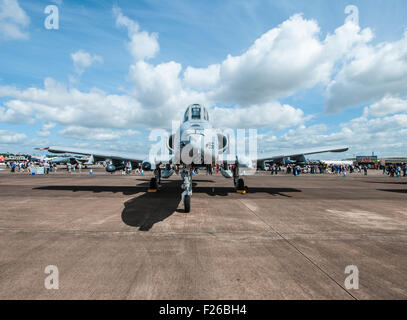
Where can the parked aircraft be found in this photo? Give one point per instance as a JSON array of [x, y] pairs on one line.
[[195, 145], [71, 159]]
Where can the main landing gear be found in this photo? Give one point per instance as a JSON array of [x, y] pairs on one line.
[[239, 182], [156, 181]]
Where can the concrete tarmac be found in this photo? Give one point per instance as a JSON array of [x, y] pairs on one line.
[[288, 238]]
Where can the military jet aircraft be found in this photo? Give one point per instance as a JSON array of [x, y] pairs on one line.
[[196, 144], [71, 159]]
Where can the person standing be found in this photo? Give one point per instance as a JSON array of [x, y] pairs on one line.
[[46, 167]]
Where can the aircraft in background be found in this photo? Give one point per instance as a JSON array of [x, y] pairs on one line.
[[64, 159], [191, 140], [337, 162], [72, 160]]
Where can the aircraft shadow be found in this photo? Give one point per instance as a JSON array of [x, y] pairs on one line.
[[394, 190], [126, 190], [147, 209], [225, 191], [387, 182], [144, 210], [166, 181]]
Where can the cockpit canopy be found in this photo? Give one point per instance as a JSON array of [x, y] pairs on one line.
[[196, 112]]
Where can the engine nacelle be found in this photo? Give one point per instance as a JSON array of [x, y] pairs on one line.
[[148, 166], [112, 168], [223, 143], [171, 142], [226, 173], [287, 161]]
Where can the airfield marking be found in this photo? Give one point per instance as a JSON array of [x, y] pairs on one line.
[[298, 250]]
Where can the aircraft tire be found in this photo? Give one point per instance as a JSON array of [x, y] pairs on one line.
[[153, 184], [187, 203], [240, 184]]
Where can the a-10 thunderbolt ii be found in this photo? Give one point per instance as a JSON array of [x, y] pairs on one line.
[[196, 144]]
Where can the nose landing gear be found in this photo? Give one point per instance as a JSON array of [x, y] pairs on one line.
[[187, 187]]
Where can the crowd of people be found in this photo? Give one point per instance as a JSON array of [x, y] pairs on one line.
[[296, 169], [395, 170], [392, 170], [27, 166]]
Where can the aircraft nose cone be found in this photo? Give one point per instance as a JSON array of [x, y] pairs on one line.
[[196, 141]]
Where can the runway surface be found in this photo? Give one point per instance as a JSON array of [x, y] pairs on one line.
[[288, 238]]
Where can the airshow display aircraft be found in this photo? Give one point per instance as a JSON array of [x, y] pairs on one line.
[[196, 144]]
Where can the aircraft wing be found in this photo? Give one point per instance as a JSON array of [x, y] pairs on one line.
[[298, 155], [98, 155]]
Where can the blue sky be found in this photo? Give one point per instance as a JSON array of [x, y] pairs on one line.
[[199, 34]]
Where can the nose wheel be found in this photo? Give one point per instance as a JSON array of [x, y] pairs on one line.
[[187, 187], [240, 185], [187, 203]]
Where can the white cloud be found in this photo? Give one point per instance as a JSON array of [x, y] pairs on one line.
[[164, 90], [142, 45], [271, 114], [386, 136], [81, 133], [11, 137], [82, 60], [56, 103], [202, 78], [46, 129], [155, 85], [96, 109], [370, 73], [387, 105], [160, 92], [284, 60], [48, 126], [13, 20]]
